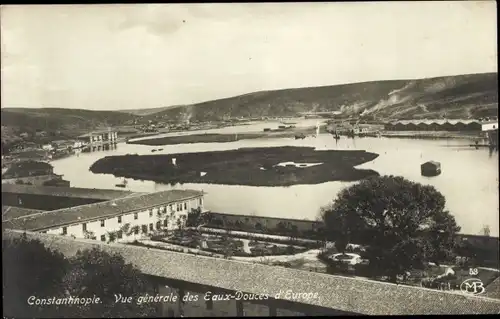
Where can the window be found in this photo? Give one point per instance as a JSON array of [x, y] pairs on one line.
[[119, 219], [136, 230], [151, 227], [201, 201], [102, 222], [65, 230], [171, 207], [165, 223], [103, 237], [119, 234], [144, 228], [150, 213], [136, 216], [158, 225], [44, 232], [185, 206], [84, 227]]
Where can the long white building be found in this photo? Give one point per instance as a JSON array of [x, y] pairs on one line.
[[123, 219]]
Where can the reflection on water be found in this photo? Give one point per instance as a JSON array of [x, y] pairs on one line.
[[469, 178]]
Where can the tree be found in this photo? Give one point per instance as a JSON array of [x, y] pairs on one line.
[[486, 230], [30, 269], [97, 273], [403, 223], [194, 217], [294, 232]]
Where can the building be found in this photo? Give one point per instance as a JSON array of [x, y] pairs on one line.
[[489, 126], [430, 168], [262, 290], [121, 219], [99, 138], [33, 173], [435, 125], [51, 198]]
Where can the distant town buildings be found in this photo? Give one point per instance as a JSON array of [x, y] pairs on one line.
[[441, 125]]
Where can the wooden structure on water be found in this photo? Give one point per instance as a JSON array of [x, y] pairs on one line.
[[430, 169], [98, 140]]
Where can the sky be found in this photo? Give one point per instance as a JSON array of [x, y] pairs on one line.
[[114, 57]]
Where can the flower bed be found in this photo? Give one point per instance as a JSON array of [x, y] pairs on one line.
[[306, 244]]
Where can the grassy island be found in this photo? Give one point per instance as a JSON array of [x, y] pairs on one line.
[[244, 166]]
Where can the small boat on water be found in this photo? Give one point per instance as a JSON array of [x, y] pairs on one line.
[[160, 149], [123, 184], [300, 136], [154, 150]]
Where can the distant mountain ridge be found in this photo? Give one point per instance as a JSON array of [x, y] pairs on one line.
[[461, 96]]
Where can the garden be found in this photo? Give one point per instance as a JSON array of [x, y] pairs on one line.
[[227, 244], [433, 276]]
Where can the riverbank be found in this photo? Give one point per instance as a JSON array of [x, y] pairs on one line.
[[244, 166], [225, 138]]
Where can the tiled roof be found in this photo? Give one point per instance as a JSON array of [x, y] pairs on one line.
[[493, 289], [79, 214], [92, 193], [10, 212], [335, 292]]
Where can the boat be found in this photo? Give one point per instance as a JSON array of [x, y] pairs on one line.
[[152, 151], [123, 184], [160, 149], [300, 136]]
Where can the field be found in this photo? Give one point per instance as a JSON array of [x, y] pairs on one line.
[[244, 166]]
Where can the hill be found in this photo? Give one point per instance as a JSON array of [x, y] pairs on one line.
[[143, 112], [16, 120], [461, 96]]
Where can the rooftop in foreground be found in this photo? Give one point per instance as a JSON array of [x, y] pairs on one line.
[[335, 292], [85, 213], [11, 212], [91, 193]]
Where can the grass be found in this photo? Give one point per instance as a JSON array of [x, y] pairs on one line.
[[241, 166]]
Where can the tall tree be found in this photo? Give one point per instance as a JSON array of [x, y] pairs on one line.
[[404, 224], [97, 273], [30, 269]]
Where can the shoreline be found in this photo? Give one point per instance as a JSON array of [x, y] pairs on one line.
[[292, 133], [225, 137]]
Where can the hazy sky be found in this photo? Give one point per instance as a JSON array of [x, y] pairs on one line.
[[141, 56]]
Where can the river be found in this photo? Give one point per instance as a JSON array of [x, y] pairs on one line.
[[469, 179]]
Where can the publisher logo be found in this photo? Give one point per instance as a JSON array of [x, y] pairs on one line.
[[472, 286]]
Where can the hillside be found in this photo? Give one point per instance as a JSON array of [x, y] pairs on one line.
[[462, 96], [58, 119], [143, 112]]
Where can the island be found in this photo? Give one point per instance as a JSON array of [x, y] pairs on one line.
[[267, 166], [290, 132]]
